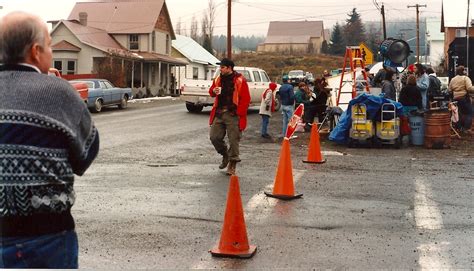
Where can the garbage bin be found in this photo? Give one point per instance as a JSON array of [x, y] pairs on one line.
[[417, 129]]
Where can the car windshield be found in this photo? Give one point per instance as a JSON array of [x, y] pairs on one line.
[[295, 73], [89, 84]]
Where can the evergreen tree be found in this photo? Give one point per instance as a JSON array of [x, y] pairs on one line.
[[354, 31], [207, 43], [337, 41], [325, 47]]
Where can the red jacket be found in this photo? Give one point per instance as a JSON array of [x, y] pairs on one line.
[[241, 99]]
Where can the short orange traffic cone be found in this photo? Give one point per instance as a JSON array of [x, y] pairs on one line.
[[234, 242], [314, 151], [283, 187]]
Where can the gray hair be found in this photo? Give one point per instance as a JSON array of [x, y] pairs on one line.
[[18, 32]]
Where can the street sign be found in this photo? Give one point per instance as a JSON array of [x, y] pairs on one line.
[[366, 54]]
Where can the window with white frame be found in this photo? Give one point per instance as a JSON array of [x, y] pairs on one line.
[[71, 67], [65, 66], [195, 73], [58, 65], [133, 43], [460, 33]]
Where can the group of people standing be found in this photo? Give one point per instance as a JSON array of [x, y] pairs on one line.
[[418, 85], [313, 98]]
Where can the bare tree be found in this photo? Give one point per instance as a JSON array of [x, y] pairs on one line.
[[204, 26], [194, 29], [211, 18], [206, 41], [207, 26], [178, 28]]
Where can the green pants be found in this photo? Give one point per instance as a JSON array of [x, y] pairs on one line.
[[222, 124]]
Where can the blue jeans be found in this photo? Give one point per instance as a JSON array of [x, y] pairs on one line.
[[287, 111], [424, 98], [58, 250], [265, 121]]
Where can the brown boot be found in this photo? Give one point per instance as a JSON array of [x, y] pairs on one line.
[[231, 168], [225, 161]]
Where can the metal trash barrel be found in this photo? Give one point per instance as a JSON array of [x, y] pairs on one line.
[[437, 129], [417, 129]]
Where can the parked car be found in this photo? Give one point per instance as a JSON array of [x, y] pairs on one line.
[[81, 88], [102, 94], [295, 77], [196, 92], [309, 78]]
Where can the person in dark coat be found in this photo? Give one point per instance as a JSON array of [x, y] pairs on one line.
[[410, 95], [388, 87], [318, 102]]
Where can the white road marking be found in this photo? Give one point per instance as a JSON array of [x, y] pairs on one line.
[[333, 153], [255, 207], [428, 217], [427, 214]]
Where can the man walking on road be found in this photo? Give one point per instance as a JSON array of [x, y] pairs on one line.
[[46, 136], [229, 113]]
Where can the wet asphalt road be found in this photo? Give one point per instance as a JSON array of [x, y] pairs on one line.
[[154, 198]]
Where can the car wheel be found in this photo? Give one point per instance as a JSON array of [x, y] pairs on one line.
[[277, 102], [123, 103], [194, 108], [97, 106]]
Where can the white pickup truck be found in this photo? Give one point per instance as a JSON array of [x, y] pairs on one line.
[[196, 92]]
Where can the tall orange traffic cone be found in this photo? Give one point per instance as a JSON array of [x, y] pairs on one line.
[[234, 242], [314, 151], [283, 187]]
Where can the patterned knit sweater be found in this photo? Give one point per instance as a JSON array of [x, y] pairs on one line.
[[46, 136]]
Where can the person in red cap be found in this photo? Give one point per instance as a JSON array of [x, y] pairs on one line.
[[267, 106], [409, 71], [229, 113]]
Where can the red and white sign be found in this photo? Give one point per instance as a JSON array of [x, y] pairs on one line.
[[294, 121]]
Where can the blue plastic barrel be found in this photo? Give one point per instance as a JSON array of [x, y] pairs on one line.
[[417, 130]]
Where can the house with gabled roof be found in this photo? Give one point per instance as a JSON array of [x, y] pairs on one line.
[[294, 37], [201, 64], [137, 34], [453, 25]]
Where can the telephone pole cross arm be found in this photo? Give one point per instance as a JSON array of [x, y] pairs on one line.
[[417, 6]]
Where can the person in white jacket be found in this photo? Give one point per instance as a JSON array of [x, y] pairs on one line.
[[267, 106]]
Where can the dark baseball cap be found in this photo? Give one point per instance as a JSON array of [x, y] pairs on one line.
[[226, 62]]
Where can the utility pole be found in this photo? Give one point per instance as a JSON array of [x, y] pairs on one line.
[[382, 10], [417, 6], [229, 29], [467, 38]]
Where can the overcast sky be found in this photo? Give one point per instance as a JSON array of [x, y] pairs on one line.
[[252, 16]]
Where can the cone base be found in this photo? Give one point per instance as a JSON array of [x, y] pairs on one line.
[[216, 252], [283, 197], [315, 162]]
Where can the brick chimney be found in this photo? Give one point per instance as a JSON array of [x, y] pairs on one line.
[[83, 18]]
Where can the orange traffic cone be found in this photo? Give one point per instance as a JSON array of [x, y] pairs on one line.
[[283, 187], [234, 242], [314, 152]]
